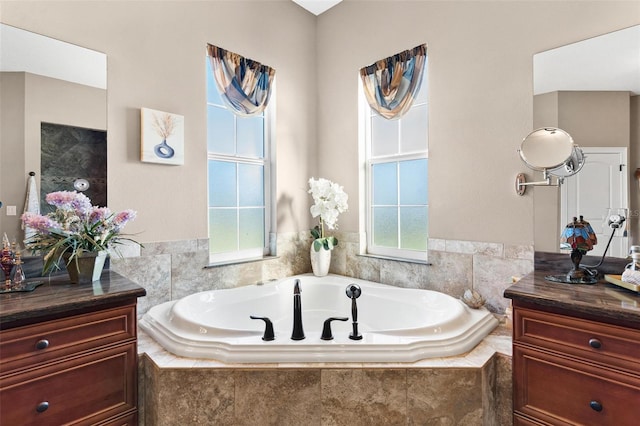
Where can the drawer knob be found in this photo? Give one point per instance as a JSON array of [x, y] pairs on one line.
[[42, 407], [595, 405], [42, 344], [595, 343]]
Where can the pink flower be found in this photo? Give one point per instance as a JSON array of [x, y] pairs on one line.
[[42, 224], [121, 219], [99, 214], [69, 200]]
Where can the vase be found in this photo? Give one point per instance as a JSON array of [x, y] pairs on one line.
[[85, 268], [163, 150], [320, 261]]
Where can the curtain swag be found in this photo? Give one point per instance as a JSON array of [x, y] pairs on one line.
[[244, 84], [390, 85]]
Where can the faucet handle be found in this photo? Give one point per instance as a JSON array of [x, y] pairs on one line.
[[353, 291], [326, 329], [268, 328]]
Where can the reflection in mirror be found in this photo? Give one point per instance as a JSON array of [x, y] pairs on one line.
[[53, 111], [590, 89]]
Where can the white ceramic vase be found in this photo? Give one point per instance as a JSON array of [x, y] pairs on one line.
[[320, 261]]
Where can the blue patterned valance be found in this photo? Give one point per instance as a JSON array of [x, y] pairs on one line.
[[244, 84], [390, 84]]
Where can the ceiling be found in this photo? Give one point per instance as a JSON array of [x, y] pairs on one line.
[[607, 62], [317, 6]]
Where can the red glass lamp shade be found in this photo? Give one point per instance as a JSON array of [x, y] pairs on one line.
[[578, 235]]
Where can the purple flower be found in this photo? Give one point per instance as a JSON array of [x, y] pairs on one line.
[[121, 219], [99, 214], [69, 200], [42, 224]]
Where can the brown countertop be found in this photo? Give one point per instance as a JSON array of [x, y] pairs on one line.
[[56, 295], [601, 300]]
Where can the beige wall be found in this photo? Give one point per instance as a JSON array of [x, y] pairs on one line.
[[156, 59], [480, 79]]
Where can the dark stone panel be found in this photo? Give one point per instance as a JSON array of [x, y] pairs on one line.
[[69, 153]]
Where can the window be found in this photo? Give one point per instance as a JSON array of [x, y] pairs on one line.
[[239, 170], [396, 161]]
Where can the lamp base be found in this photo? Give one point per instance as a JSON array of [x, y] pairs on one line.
[[567, 279], [577, 275]]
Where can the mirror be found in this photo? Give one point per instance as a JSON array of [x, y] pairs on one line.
[[590, 89], [547, 148], [53, 111], [551, 151]]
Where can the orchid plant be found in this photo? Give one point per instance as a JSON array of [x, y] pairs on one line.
[[74, 227], [329, 201]]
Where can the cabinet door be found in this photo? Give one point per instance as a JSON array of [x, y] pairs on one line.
[[564, 391], [82, 390]]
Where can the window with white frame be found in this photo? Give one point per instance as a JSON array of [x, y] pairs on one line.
[[396, 158], [239, 179]]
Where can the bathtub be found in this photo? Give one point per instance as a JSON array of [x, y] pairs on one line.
[[397, 324]]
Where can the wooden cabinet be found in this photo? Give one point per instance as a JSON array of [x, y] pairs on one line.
[[73, 358], [570, 370]]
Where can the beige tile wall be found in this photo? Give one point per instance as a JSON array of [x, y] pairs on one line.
[[326, 396], [171, 270]]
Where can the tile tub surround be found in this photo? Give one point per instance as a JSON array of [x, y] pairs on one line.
[[472, 389], [173, 269]]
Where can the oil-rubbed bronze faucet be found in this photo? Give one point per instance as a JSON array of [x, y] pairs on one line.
[[353, 292], [298, 332]]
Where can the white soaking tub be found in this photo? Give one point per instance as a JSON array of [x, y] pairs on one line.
[[396, 324]]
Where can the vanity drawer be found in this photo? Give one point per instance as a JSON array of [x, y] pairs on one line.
[[608, 344], [83, 390], [561, 391], [25, 346]]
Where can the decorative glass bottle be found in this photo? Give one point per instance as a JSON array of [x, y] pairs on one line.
[[19, 278]]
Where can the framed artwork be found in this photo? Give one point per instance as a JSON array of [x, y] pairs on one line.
[[162, 137]]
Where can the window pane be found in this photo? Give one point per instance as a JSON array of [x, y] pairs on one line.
[[384, 136], [414, 130], [222, 184], [385, 185], [413, 182], [385, 226], [250, 136], [413, 228], [213, 96], [251, 228], [223, 230], [250, 185], [220, 130]]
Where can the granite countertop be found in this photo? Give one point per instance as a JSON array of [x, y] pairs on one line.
[[601, 300], [57, 295]]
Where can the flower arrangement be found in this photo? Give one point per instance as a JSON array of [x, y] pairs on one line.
[[73, 228], [329, 201]]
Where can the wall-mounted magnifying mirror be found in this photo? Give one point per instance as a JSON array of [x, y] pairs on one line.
[[551, 151]]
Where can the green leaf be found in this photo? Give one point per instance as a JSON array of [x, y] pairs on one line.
[[317, 244], [315, 232]]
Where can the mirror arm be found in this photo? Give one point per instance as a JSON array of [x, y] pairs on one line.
[[521, 182]]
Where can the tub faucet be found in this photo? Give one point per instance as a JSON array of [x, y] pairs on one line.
[[353, 292], [298, 332]]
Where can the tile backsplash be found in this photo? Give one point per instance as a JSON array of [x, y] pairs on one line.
[[173, 269]]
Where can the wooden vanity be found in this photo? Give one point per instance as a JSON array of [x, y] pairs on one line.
[[68, 353], [576, 353]]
